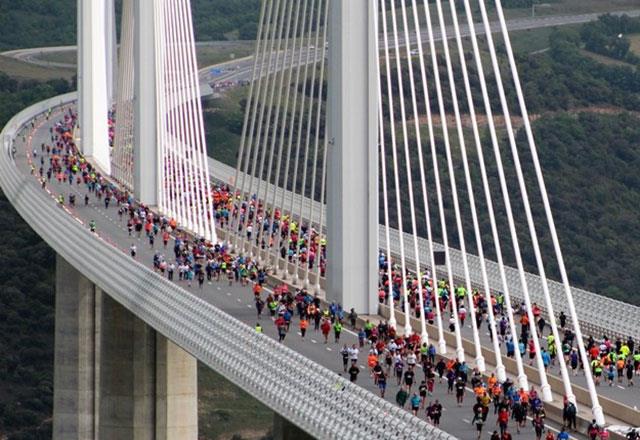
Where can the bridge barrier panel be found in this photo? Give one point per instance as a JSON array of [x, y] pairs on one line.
[[258, 364]]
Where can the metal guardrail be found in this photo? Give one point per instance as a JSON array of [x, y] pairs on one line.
[[599, 315], [309, 395]]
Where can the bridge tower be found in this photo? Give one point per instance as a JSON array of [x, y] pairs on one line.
[[145, 109], [93, 101], [352, 124]]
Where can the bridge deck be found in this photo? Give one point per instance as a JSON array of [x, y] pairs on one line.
[[238, 301], [301, 390]]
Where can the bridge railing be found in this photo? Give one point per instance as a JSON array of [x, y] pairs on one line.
[[309, 395]]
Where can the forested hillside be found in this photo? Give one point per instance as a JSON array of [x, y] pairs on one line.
[[584, 93], [26, 298], [586, 115], [37, 23]]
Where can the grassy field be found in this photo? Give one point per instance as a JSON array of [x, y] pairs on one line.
[[207, 55], [533, 40], [604, 59], [570, 7], [226, 412], [635, 44], [223, 123], [68, 57], [22, 70]]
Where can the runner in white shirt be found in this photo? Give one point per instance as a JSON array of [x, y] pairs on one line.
[[353, 353]]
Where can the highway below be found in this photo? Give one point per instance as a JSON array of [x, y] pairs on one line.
[[241, 69], [238, 301]]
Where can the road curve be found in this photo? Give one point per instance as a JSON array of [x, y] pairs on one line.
[[316, 399], [240, 69]]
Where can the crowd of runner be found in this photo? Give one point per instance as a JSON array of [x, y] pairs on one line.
[[412, 368], [610, 360]]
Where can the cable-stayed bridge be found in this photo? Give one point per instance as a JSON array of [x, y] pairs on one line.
[[374, 142]]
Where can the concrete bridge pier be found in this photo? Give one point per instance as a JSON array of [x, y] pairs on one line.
[[352, 171], [285, 430], [115, 377]]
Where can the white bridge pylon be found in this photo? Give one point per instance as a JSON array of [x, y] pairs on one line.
[[400, 106], [400, 88], [159, 151]]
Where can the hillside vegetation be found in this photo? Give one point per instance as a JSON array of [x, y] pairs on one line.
[[587, 128], [37, 23], [26, 298]]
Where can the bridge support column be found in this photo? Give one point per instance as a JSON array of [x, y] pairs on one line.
[[115, 377], [352, 118], [145, 150], [74, 376], [176, 392], [93, 102], [285, 430]]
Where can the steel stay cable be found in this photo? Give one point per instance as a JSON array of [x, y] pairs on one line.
[[194, 200], [596, 407], [283, 130], [201, 150], [317, 140], [176, 130], [407, 325], [173, 125], [323, 190], [166, 100], [500, 369], [248, 139], [383, 163], [545, 387], [522, 377], [258, 220], [192, 144], [123, 98], [234, 184], [274, 137], [183, 114], [407, 158], [442, 346], [480, 362], [160, 107], [443, 223], [166, 66], [305, 162], [296, 257], [256, 138], [290, 136]]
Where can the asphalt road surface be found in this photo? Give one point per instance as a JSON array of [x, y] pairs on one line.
[[240, 70], [238, 301]]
